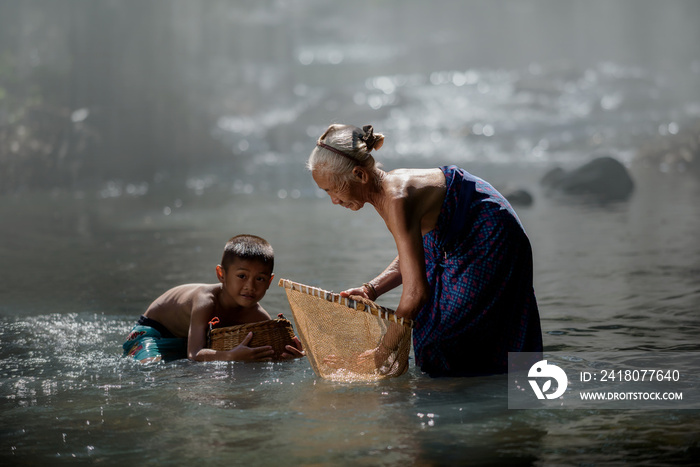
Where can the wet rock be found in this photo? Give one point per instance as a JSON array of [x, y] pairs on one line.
[[603, 179], [519, 197]]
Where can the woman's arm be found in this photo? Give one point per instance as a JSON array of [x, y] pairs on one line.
[[408, 268], [415, 283], [406, 229], [389, 279]]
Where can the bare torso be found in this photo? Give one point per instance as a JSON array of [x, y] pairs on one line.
[[413, 195], [410, 204], [174, 308]]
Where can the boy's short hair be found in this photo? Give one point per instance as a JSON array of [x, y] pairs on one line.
[[249, 247]]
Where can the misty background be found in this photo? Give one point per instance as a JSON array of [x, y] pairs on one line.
[[136, 136], [129, 95]]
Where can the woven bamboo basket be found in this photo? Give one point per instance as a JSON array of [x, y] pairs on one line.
[[349, 338], [277, 333]]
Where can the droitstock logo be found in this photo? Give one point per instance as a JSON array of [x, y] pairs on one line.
[[604, 380], [546, 372]]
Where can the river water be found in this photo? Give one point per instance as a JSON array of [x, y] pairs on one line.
[[610, 278], [79, 267]]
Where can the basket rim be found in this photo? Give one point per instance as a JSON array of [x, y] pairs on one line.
[[259, 325]]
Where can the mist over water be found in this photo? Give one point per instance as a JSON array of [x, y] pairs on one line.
[[131, 97], [137, 137]]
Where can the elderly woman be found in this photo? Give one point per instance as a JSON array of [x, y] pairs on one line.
[[464, 260]]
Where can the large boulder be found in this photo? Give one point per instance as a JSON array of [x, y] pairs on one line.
[[602, 179], [519, 197]]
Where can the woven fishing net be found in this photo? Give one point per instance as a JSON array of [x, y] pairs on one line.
[[348, 339]]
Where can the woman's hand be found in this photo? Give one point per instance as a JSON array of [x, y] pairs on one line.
[[361, 291], [335, 362], [363, 363], [374, 357]]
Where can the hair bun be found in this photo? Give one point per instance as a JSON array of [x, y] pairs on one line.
[[372, 140], [369, 137]]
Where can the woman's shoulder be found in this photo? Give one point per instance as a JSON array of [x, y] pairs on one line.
[[406, 182], [404, 172], [417, 193]]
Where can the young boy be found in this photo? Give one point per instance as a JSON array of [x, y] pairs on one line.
[[175, 325]]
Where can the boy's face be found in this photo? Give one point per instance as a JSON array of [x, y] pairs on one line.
[[245, 281]]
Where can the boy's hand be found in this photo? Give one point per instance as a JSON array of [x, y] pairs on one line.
[[243, 353], [293, 351]]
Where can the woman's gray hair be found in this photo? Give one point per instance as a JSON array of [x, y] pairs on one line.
[[341, 148]]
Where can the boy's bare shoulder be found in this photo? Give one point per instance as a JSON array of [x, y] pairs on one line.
[[206, 290], [174, 308], [187, 293], [183, 299]]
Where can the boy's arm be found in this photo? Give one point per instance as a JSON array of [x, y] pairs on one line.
[[202, 313]]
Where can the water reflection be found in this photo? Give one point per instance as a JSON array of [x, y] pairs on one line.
[[210, 140]]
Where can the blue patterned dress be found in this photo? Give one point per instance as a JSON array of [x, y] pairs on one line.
[[479, 268]]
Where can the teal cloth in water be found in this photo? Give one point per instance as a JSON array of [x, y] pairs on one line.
[[147, 344]]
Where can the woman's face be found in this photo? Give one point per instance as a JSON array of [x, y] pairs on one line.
[[348, 198]]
